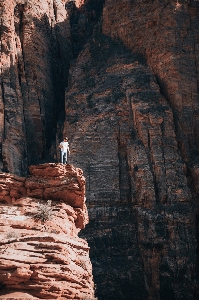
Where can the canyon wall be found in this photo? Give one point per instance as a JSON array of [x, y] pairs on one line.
[[38, 41], [120, 79], [122, 131], [35, 52], [166, 34], [41, 255]]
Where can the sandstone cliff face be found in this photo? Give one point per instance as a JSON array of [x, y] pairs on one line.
[[38, 40], [41, 255], [35, 51], [123, 136], [166, 34], [131, 115]]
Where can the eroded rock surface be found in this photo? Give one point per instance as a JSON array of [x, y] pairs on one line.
[[131, 115], [38, 41], [122, 133], [35, 52], [40, 252], [166, 34]]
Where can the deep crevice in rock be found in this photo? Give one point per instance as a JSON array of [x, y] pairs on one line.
[[2, 133], [18, 12], [55, 10], [83, 21]]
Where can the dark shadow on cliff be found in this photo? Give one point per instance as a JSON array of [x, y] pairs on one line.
[[83, 21], [113, 237], [127, 236], [39, 78]]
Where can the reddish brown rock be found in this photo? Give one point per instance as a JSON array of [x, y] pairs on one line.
[[35, 45], [131, 115], [19, 296], [122, 134], [38, 40], [41, 255], [166, 34]]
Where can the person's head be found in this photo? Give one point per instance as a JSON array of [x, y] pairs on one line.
[[65, 139]]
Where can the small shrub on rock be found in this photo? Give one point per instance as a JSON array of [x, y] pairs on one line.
[[44, 212], [12, 235]]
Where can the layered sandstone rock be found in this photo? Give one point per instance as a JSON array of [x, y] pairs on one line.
[[41, 255], [166, 34], [38, 40], [132, 122], [35, 52], [122, 135]]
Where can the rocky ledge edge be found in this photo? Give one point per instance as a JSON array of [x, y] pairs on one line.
[[41, 255]]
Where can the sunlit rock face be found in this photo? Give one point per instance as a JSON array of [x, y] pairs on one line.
[[42, 256], [120, 79], [166, 34], [35, 53], [38, 41]]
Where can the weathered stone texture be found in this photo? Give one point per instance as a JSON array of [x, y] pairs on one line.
[[38, 40], [131, 115], [122, 135], [166, 34], [35, 52], [41, 253]]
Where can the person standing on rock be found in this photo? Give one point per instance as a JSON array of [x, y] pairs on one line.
[[64, 146]]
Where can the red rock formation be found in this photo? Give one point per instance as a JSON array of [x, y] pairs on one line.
[[122, 135], [38, 40], [166, 34], [40, 217], [35, 51], [131, 115]]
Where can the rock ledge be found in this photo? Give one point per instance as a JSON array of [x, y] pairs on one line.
[[42, 256]]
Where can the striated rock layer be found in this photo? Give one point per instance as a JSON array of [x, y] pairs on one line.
[[41, 256], [166, 34], [38, 40], [142, 224], [35, 53], [131, 115]]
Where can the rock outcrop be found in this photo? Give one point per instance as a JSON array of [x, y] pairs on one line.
[[41, 255]]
